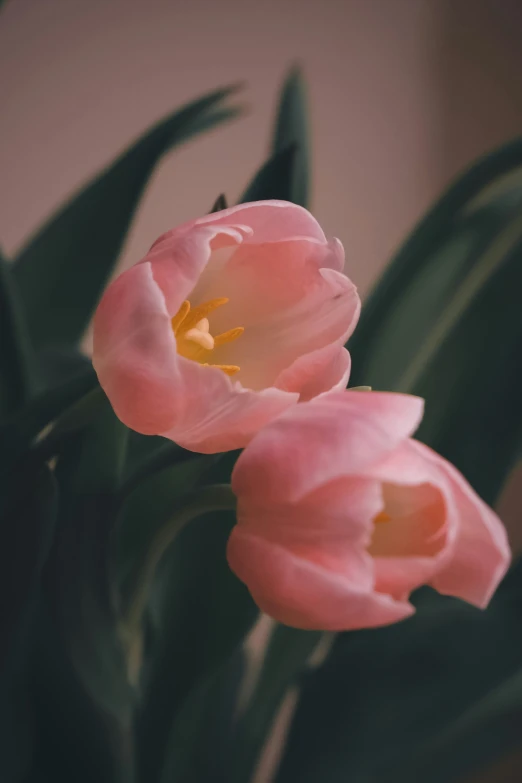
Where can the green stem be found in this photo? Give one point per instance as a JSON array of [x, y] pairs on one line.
[[214, 497]]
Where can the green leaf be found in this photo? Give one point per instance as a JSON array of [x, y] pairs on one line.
[[16, 360], [383, 695], [285, 662], [27, 530], [273, 180], [285, 174], [207, 721], [484, 179], [89, 469], [75, 740], [457, 306], [23, 427], [219, 204], [150, 501], [487, 729], [200, 613], [62, 271], [57, 365], [291, 130]]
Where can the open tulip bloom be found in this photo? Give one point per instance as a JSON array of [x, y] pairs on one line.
[[230, 333], [341, 515], [228, 321]]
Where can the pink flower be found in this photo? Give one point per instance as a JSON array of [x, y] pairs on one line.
[[228, 321], [341, 515]]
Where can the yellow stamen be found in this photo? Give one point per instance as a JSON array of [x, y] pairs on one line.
[[180, 316], [202, 311], [228, 369], [192, 331], [228, 337], [382, 516]]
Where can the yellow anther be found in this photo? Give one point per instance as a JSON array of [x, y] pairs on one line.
[[228, 369], [382, 516], [180, 316], [228, 337], [202, 311], [192, 331]]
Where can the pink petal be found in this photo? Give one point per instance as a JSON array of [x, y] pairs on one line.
[[270, 221], [334, 435], [155, 391], [134, 352], [481, 553], [179, 259], [336, 514], [335, 256], [416, 542], [324, 370], [326, 313], [263, 279], [219, 415], [406, 548], [332, 595]]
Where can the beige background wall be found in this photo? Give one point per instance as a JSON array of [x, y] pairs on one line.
[[403, 93]]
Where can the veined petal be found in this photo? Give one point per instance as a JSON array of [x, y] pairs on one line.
[[326, 312], [218, 414], [334, 596], [334, 435], [135, 353], [317, 372], [480, 555], [269, 221]]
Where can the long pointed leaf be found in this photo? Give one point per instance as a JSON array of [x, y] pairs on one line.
[[62, 271], [291, 129], [285, 662], [27, 528], [16, 360], [88, 471], [273, 180]]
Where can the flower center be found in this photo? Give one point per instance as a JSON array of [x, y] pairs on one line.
[[193, 338], [382, 516]]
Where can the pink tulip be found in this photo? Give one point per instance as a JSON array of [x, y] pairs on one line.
[[228, 321], [341, 515]]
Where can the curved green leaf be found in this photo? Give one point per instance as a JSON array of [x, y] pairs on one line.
[[27, 526], [383, 695], [16, 360], [74, 740], [88, 471], [291, 130], [151, 495], [25, 425], [489, 174], [219, 204], [285, 662], [200, 613], [207, 721], [273, 180], [453, 335], [285, 175], [62, 271]]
